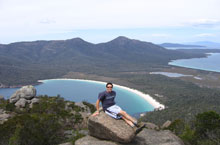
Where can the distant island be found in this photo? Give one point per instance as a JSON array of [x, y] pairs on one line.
[[179, 45], [209, 44]]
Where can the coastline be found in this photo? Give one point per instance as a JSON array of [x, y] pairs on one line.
[[148, 98]]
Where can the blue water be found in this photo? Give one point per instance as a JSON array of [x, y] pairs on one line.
[[172, 75], [175, 48], [77, 91], [210, 63]]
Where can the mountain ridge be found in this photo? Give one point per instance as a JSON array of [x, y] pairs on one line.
[[63, 56]]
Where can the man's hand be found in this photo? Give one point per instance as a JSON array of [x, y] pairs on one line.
[[96, 113], [97, 108]]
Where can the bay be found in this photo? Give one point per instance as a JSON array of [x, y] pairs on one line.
[[210, 63], [79, 90]]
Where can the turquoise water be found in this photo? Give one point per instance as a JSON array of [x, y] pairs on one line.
[[211, 63], [76, 90]]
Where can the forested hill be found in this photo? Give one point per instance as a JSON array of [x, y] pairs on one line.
[[66, 51], [48, 59]]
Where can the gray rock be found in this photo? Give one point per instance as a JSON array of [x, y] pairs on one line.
[[73, 133], [151, 126], [33, 101], [67, 143], [166, 124], [105, 127], [85, 116], [80, 104], [153, 137], [84, 132], [68, 132], [4, 117], [67, 106], [21, 103], [27, 92], [86, 108], [1, 97], [1, 111], [14, 98], [145, 137], [89, 140]]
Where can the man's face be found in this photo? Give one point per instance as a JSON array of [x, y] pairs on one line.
[[109, 88]]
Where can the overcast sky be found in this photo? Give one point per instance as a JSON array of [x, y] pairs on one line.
[[97, 21]]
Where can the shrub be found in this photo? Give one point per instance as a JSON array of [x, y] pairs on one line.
[[207, 122], [32, 129], [188, 136], [76, 108], [204, 130], [177, 126], [91, 106], [76, 137], [6, 105], [51, 105]]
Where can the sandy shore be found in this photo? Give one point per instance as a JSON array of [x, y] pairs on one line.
[[147, 97]]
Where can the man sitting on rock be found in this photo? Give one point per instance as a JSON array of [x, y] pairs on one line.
[[109, 107]]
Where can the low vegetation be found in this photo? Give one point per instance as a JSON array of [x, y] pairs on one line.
[[43, 124], [183, 100], [203, 130]]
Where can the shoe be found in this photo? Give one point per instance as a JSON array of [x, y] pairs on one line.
[[139, 124], [140, 128]]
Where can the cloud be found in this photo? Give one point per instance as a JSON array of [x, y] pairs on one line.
[[34, 18], [205, 23], [161, 35], [47, 21], [93, 14], [205, 35]]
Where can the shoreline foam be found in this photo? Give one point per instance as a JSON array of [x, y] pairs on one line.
[[146, 97]]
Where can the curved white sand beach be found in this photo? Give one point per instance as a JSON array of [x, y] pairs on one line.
[[147, 97]]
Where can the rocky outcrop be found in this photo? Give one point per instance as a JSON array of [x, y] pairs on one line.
[[4, 116], [153, 137], [1, 97], [150, 125], [89, 140], [26, 92], [145, 137], [73, 133], [103, 126], [33, 101], [24, 96], [80, 104], [166, 124], [21, 103], [67, 143], [104, 130]]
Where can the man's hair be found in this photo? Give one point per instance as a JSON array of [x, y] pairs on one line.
[[109, 84]]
